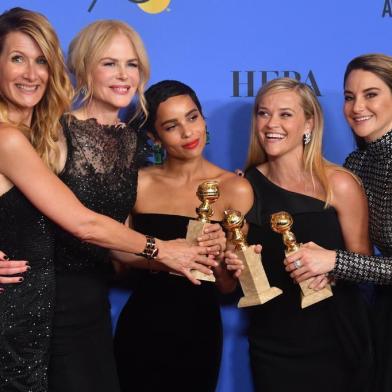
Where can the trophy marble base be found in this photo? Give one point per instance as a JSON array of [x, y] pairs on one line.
[[195, 230], [310, 296], [254, 281], [260, 298]]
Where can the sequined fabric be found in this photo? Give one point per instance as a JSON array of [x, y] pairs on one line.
[[26, 309], [374, 166], [101, 169]]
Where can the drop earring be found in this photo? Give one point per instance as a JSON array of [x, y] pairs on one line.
[[158, 153], [208, 137], [307, 138], [84, 91]]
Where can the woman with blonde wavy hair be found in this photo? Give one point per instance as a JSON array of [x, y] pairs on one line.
[[290, 347], [34, 92], [104, 154]]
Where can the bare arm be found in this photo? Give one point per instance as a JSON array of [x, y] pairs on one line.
[[351, 205], [20, 163]]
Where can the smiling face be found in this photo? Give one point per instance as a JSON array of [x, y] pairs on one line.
[[368, 104], [24, 74], [115, 77], [281, 124], [180, 127]]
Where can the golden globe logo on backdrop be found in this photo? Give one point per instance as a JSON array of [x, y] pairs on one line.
[[247, 83], [149, 6]]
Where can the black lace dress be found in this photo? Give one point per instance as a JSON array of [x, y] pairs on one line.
[[101, 169], [169, 334], [26, 309], [324, 347]]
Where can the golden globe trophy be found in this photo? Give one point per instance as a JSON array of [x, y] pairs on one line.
[[208, 193], [281, 223], [253, 279]]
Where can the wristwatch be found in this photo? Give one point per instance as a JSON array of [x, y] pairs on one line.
[[150, 251]]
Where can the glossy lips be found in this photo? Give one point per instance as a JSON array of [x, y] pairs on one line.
[[191, 145]]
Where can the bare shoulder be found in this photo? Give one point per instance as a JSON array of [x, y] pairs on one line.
[[236, 185], [342, 180], [237, 193], [11, 138], [146, 174], [346, 188]]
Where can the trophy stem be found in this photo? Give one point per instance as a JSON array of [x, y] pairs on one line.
[[281, 222], [253, 279]]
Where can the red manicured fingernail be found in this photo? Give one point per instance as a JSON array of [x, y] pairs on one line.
[[21, 279]]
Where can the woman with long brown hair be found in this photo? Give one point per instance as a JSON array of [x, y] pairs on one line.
[[368, 111]]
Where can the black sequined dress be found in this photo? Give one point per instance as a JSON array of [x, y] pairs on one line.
[[325, 346], [373, 165], [168, 336], [101, 169], [26, 309]]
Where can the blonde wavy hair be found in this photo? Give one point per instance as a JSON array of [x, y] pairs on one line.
[[45, 125], [86, 50], [314, 163]]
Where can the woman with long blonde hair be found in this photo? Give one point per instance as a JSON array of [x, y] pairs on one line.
[[290, 347], [103, 155], [34, 92]]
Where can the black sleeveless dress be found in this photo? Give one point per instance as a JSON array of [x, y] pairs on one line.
[[324, 347], [169, 335], [101, 170], [26, 309]]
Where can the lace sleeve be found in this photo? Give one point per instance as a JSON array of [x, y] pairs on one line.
[[361, 268]]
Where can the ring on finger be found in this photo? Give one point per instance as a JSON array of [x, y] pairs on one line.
[[297, 264]]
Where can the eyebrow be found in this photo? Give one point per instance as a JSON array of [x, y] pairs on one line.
[[21, 52], [113, 59], [365, 91], [174, 119], [265, 108]]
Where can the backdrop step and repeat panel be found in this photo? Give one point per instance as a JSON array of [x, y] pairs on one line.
[[226, 49]]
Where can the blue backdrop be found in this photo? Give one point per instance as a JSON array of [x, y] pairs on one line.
[[226, 50]]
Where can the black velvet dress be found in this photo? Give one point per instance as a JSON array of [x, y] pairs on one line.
[[324, 347], [168, 336], [26, 309], [101, 170]]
